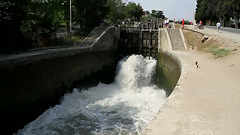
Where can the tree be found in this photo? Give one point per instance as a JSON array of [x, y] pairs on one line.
[[218, 10], [134, 11], [222, 11], [201, 10], [234, 10], [90, 11], [45, 16], [116, 11], [81, 7], [157, 14], [12, 13]]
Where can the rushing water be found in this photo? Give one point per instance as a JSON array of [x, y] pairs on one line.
[[124, 107]]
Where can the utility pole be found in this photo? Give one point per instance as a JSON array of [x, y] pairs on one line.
[[70, 16], [70, 21]]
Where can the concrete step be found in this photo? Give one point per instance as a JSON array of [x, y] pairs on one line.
[[176, 39]]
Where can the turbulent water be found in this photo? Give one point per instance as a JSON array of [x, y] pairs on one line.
[[124, 107]]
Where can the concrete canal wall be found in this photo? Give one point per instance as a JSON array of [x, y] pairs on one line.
[[30, 82], [169, 67], [168, 71]]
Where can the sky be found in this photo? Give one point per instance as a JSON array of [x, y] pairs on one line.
[[173, 9]]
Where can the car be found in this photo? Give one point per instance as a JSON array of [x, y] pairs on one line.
[[61, 32]]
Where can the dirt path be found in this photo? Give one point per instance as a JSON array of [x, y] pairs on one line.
[[207, 99]]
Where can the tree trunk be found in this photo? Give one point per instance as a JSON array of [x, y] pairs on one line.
[[81, 19], [68, 27], [236, 22], [222, 22]]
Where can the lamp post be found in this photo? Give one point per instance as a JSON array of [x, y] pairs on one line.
[[70, 21], [70, 16]]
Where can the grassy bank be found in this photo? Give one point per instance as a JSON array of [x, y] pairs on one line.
[[212, 45]]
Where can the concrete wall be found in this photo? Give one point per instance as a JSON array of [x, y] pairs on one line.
[[129, 42], [30, 82], [168, 65], [168, 71]]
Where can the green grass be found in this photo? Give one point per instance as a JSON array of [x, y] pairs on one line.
[[80, 35], [217, 52], [210, 46], [77, 38]]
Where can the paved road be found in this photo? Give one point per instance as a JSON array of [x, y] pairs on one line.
[[232, 34], [237, 31]]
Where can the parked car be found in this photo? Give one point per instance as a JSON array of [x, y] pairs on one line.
[[61, 32]]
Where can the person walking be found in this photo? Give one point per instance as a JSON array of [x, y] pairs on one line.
[[166, 22], [218, 26]]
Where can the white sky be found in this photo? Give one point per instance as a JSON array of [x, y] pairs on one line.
[[178, 9]]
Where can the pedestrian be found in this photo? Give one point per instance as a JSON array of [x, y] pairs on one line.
[[200, 26], [218, 26], [101, 21], [167, 22], [182, 22]]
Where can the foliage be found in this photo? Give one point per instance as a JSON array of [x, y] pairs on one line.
[[43, 17], [149, 17], [90, 12], [120, 11], [5, 13], [134, 11], [218, 10], [33, 23], [157, 14], [12, 13], [116, 11]]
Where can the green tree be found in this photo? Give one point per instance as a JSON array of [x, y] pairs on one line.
[[218, 10], [201, 10], [116, 11], [12, 13], [157, 14], [90, 12], [134, 11], [233, 7], [44, 17], [222, 11]]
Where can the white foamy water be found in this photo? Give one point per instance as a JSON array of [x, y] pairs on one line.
[[124, 107]]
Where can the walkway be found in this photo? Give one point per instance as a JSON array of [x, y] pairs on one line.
[[206, 100], [226, 34], [232, 30]]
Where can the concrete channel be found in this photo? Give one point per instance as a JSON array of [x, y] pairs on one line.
[[33, 81]]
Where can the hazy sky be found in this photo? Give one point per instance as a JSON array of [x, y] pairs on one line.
[[178, 9]]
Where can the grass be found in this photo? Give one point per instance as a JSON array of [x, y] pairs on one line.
[[77, 38], [218, 52], [80, 35], [209, 46], [192, 39], [213, 47]]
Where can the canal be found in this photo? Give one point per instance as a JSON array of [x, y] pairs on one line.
[[125, 106]]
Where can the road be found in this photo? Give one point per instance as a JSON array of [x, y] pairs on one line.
[[228, 33], [237, 31]]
